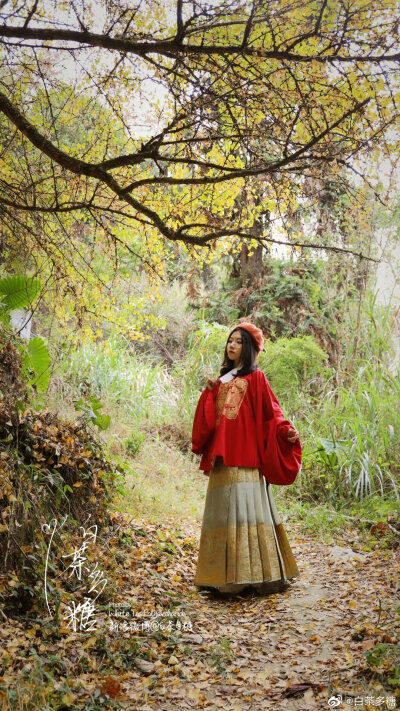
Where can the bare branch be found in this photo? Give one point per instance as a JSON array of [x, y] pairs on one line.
[[180, 31], [30, 14], [248, 27]]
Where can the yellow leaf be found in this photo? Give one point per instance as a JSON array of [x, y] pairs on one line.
[[68, 698], [90, 642], [77, 483]]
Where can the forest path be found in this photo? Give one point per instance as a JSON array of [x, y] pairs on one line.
[[251, 652], [162, 644]]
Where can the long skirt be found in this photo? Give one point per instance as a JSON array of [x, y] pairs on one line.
[[242, 540]]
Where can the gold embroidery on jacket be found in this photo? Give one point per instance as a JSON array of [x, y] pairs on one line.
[[229, 399]]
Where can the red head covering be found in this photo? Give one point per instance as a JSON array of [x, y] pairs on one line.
[[255, 333]]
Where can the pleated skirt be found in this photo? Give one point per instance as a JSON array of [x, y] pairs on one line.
[[242, 539]]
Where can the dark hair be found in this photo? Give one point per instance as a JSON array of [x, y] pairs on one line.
[[248, 358]]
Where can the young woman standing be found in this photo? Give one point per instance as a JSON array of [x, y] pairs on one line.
[[246, 445]]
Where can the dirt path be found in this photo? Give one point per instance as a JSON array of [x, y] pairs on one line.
[[294, 649], [177, 647], [287, 650]]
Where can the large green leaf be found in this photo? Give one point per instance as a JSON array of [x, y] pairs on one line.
[[17, 292], [327, 445], [38, 358], [102, 421], [92, 411]]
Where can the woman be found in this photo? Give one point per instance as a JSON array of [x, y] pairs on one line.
[[246, 445]]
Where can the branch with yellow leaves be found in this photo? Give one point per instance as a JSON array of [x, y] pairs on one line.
[[97, 172]]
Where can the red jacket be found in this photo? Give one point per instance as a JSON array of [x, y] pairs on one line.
[[242, 421]]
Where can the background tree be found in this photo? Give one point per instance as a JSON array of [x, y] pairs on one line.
[[299, 89]]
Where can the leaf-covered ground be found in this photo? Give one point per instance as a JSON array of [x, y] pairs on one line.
[[162, 644]]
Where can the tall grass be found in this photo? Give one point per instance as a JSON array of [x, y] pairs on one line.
[[131, 386], [353, 445], [204, 351]]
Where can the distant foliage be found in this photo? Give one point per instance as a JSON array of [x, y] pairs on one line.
[[293, 364], [290, 301], [205, 350]]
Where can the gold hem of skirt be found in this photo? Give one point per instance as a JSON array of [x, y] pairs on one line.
[[243, 541]]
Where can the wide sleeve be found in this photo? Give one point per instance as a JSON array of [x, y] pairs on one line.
[[281, 459], [204, 420]]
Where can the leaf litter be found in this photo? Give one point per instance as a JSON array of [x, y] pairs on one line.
[[161, 643]]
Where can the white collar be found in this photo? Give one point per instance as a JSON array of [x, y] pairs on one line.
[[228, 376]]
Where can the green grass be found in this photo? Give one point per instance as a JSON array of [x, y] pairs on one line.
[[163, 482], [349, 525]]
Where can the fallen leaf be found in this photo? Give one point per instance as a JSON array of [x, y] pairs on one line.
[[111, 686], [144, 665]]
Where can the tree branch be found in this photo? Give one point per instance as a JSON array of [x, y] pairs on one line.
[[96, 171], [173, 48]]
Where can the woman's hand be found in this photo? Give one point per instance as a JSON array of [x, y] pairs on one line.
[[211, 382], [292, 435]]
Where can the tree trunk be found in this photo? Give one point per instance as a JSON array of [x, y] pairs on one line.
[[251, 265]]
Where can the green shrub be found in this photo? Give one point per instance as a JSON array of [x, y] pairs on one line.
[[133, 443], [293, 364]]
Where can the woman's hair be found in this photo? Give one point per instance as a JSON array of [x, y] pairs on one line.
[[248, 357]]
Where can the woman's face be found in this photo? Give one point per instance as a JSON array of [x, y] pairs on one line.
[[234, 347]]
